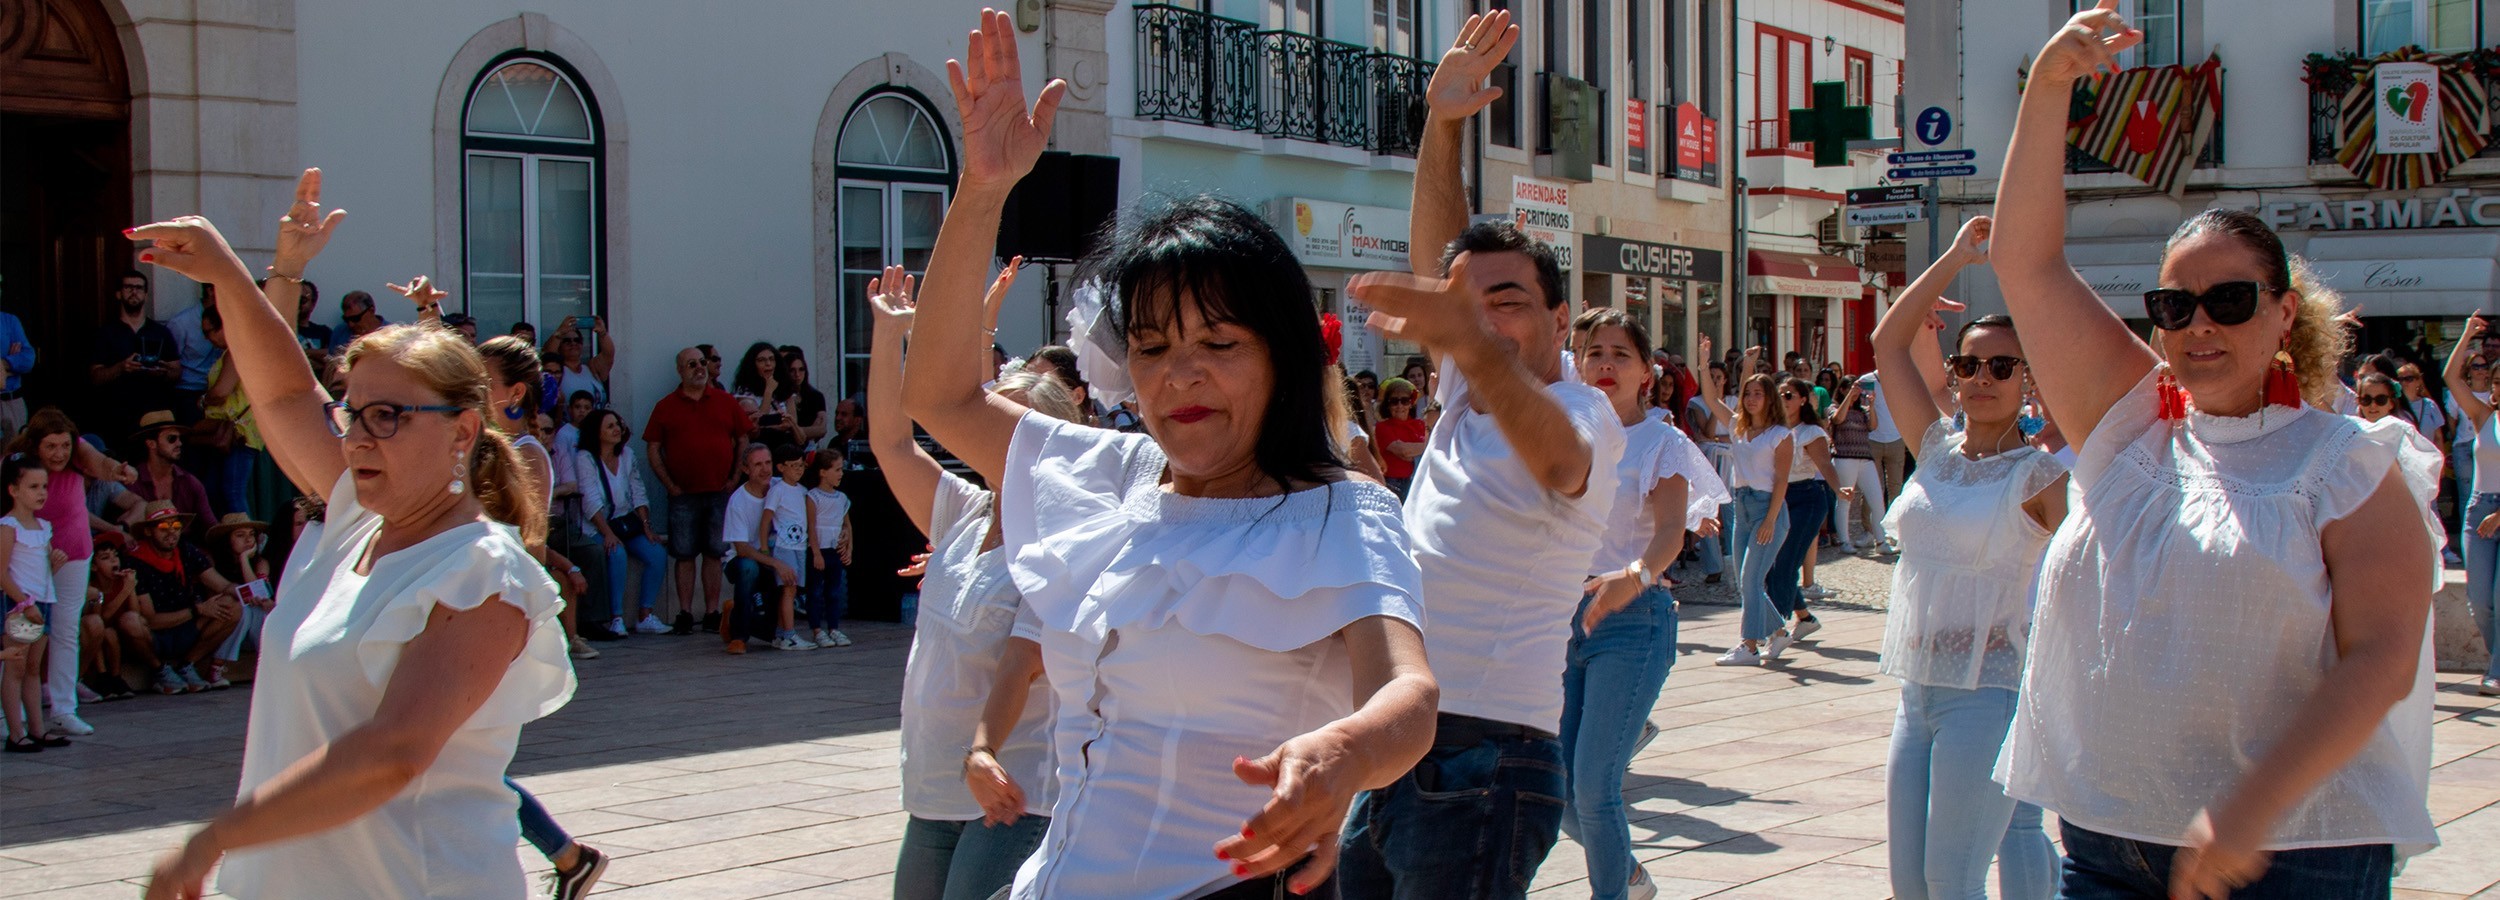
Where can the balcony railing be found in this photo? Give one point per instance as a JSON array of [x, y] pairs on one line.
[[1225, 73], [2327, 94]]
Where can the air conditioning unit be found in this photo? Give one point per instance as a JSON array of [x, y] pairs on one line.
[[1831, 231]]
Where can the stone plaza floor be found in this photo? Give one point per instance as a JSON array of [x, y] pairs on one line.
[[773, 774]]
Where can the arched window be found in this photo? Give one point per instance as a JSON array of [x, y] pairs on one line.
[[531, 151], [894, 163]]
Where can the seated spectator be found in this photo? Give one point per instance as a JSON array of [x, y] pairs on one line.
[[112, 618], [161, 476], [235, 554], [527, 332], [313, 335], [462, 322], [188, 607], [357, 317]]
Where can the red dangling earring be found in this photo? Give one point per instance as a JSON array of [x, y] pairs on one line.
[[2282, 381], [2170, 403]]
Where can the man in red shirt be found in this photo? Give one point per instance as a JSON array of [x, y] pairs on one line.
[[695, 432]]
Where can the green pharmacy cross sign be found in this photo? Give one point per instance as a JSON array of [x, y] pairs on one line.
[[1830, 124]]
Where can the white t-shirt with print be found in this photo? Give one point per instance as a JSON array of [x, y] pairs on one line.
[[788, 503]]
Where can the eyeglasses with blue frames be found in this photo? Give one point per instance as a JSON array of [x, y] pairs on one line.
[[381, 420]]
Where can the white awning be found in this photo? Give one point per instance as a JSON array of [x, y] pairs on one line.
[[2420, 274]]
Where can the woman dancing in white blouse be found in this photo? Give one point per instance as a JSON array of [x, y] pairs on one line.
[[1228, 624], [1972, 522], [414, 634], [2229, 683]]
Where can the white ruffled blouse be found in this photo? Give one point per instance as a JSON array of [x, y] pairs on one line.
[[1961, 594], [1654, 451], [2184, 619], [329, 649], [1178, 633]]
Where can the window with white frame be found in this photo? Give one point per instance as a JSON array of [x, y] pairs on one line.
[[2435, 25], [1783, 74], [530, 198], [893, 164], [1293, 15], [2159, 20], [1393, 27]]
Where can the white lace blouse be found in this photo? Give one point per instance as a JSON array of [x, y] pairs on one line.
[[1178, 633], [1961, 595], [2184, 620]]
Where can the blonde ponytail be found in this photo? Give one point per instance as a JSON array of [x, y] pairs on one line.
[[505, 487]]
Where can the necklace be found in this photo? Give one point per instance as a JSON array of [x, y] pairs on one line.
[[1996, 450]]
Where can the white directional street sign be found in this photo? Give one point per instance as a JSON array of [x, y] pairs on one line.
[[1885, 214]]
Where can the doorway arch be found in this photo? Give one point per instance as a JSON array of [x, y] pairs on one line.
[[65, 191]]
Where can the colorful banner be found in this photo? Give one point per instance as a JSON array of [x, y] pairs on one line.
[[2151, 123], [2463, 114], [2405, 96]]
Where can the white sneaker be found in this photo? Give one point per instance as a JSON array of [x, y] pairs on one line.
[[68, 724], [823, 638], [88, 695], [1818, 592], [582, 649], [1778, 645], [792, 642], [2489, 688], [616, 626], [1641, 888], [839, 639], [650, 624], [1739, 656], [1807, 627]]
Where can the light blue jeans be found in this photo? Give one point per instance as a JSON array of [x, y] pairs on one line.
[[1947, 818], [2482, 575], [1713, 550], [1753, 560], [942, 860], [1612, 680], [647, 588]]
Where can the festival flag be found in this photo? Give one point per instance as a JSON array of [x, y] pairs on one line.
[[2151, 123]]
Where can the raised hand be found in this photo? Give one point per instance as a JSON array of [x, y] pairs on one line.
[[2090, 42], [420, 291], [1935, 317], [1457, 89], [1970, 245], [305, 229], [1002, 137], [190, 246], [1444, 314], [997, 296], [1312, 779], [890, 297]]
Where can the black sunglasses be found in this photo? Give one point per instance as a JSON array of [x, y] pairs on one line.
[[2375, 400], [2228, 303], [1999, 367]]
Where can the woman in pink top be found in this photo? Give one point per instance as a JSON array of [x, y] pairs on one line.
[[53, 439]]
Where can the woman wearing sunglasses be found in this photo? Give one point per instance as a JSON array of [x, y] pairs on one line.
[[2478, 481], [2229, 690], [1972, 521], [415, 634], [1810, 480]]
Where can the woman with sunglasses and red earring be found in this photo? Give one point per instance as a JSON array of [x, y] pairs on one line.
[[1972, 521], [2229, 682], [2478, 467]]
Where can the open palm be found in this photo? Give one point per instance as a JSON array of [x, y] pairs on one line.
[[305, 229], [1457, 90], [1002, 137]]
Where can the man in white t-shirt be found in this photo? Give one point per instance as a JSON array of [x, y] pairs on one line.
[[1508, 505], [1892, 454]]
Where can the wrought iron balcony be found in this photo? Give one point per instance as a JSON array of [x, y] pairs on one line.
[[2329, 77], [1225, 73]]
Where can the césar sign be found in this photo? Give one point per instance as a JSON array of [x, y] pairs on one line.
[[2453, 209]]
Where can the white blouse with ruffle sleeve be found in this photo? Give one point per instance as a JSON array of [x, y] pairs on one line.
[[1961, 595], [1178, 633], [328, 653], [2185, 616]]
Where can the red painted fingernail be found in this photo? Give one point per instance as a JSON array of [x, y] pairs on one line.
[[1240, 870], [1301, 889], [1220, 854], [147, 257], [129, 231], [1245, 832]]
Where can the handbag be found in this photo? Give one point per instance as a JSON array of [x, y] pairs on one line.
[[22, 628], [626, 527]]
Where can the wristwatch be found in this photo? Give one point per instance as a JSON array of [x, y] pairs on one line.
[[1640, 568]]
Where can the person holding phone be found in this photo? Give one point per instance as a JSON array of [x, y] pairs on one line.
[[577, 369], [234, 549]]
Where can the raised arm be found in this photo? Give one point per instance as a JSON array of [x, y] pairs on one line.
[[428, 298], [909, 471], [2095, 360], [1002, 139], [1456, 92], [2460, 391], [286, 397], [1714, 392], [603, 363], [1902, 364], [1447, 316]]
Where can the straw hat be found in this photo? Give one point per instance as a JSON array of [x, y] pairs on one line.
[[160, 511], [152, 423], [232, 521]]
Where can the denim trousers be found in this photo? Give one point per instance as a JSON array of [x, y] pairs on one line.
[[537, 827], [827, 594], [2463, 461], [1472, 820], [2482, 576], [1946, 817], [1612, 679], [2103, 867], [1753, 560], [1809, 504], [638, 548], [1713, 550], [942, 860], [746, 613]]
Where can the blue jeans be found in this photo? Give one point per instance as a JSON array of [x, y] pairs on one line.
[[962, 860], [1753, 561], [828, 593], [537, 827], [234, 478], [2102, 867], [1612, 681], [647, 588], [2482, 575], [1472, 820], [747, 614], [1713, 550], [2463, 460], [1947, 819], [1809, 505]]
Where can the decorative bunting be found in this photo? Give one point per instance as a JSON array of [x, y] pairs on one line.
[[2150, 123], [2464, 114]]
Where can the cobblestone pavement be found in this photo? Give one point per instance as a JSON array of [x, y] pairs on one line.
[[715, 777]]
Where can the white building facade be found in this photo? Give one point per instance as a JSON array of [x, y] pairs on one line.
[[2415, 261]]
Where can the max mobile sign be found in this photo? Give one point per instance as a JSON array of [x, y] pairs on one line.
[[1345, 236]]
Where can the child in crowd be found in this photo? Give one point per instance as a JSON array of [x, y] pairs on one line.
[[26, 581], [785, 525], [829, 553], [235, 547], [110, 617]]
